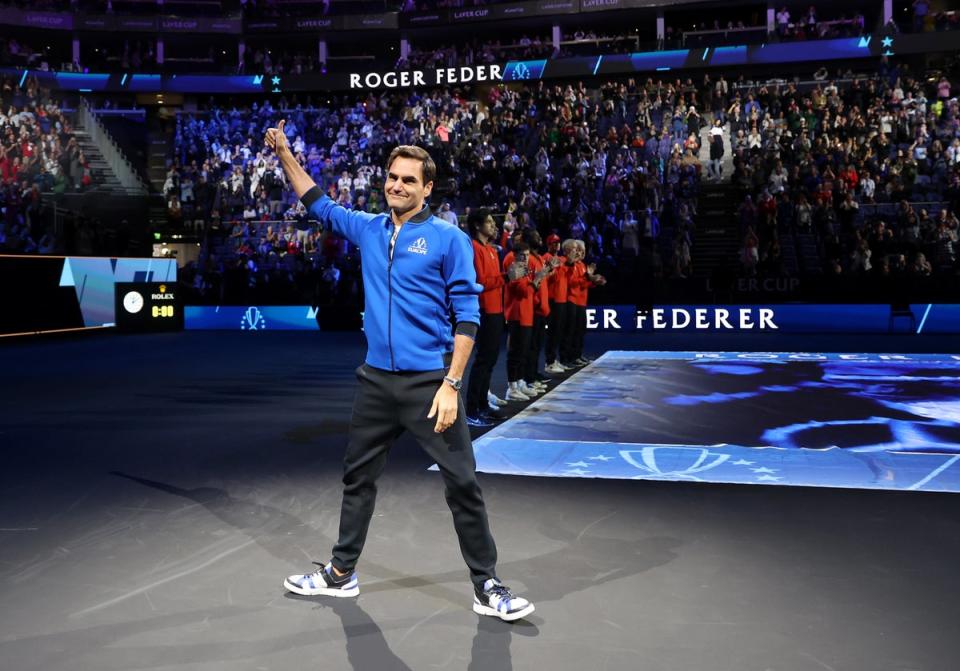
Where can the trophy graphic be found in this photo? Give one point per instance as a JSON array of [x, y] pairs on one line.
[[681, 463]]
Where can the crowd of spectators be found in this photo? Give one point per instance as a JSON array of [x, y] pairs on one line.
[[39, 159], [744, 27], [524, 47], [476, 52], [809, 24], [868, 170], [615, 166], [14, 52], [926, 18], [131, 56], [280, 61]]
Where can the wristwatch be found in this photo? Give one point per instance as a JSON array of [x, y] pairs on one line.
[[454, 382]]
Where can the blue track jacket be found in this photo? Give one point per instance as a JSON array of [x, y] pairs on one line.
[[407, 299]]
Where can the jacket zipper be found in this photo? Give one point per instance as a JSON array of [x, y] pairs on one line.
[[395, 239]]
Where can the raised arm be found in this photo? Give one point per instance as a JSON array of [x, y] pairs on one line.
[[340, 220], [299, 180]]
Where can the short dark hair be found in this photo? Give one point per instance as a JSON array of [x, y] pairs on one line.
[[528, 237], [520, 247], [428, 167], [475, 220]]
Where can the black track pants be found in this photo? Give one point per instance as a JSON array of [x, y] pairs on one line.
[[385, 406], [488, 350]]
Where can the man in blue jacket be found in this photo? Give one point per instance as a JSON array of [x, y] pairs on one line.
[[416, 268]]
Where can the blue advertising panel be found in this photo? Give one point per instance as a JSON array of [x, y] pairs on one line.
[[790, 318], [251, 318]]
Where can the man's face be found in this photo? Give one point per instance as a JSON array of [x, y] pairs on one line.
[[489, 228], [404, 187]]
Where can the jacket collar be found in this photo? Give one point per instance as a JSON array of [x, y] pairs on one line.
[[419, 217], [422, 215]]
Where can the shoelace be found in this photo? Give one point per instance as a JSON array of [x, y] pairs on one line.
[[322, 571], [501, 591]]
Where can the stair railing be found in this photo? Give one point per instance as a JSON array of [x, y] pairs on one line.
[[109, 149]]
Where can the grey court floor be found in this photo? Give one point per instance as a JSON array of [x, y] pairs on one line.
[[155, 491]]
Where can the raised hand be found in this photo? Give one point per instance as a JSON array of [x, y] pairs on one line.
[[276, 139], [543, 272]]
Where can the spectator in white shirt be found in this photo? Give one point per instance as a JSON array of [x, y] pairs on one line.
[[360, 182], [867, 188], [447, 214], [783, 22], [778, 179]]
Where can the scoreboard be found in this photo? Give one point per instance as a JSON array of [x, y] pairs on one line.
[[148, 306]]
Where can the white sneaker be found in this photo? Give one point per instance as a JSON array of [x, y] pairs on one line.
[[323, 582], [496, 600], [527, 389], [514, 393], [555, 367], [539, 386], [493, 399]]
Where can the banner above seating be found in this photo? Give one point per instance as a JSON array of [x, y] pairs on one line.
[[581, 67], [387, 21], [111, 22]]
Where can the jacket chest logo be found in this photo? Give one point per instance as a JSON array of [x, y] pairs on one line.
[[418, 247]]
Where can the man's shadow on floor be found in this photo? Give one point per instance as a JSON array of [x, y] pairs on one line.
[[584, 562], [367, 647]]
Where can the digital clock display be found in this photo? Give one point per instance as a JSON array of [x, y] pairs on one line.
[[148, 306]]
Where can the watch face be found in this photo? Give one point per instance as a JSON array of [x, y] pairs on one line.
[[133, 302]]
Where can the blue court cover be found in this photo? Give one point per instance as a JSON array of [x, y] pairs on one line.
[[874, 421]]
